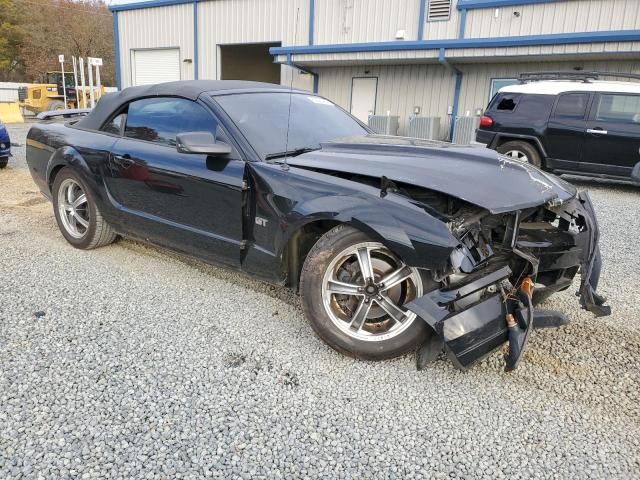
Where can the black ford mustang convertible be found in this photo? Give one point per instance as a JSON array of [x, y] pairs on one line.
[[393, 243]]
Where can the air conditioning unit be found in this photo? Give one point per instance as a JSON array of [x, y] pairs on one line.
[[464, 132], [424, 127], [384, 124]]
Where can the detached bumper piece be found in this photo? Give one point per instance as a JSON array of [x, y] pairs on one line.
[[592, 261], [474, 319]]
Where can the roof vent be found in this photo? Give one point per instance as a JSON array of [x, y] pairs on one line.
[[439, 10]]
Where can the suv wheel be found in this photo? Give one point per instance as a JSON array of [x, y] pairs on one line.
[[353, 293], [4, 161], [523, 151]]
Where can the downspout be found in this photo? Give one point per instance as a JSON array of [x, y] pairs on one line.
[[312, 12], [421, 20], [195, 39], [463, 23], [315, 76], [116, 48], [456, 90]]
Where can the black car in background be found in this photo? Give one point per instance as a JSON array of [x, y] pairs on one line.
[[567, 123], [393, 243]]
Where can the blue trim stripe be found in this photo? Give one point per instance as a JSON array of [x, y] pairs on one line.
[[472, 4], [195, 40], [423, 5], [312, 14], [497, 42], [147, 4], [116, 48]]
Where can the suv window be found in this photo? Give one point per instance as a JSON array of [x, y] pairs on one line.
[[619, 108], [572, 105], [159, 120], [505, 102]]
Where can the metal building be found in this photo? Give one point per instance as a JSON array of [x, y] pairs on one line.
[[404, 58]]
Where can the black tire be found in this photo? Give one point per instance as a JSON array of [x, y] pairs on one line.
[[319, 259], [99, 233], [56, 105], [4, 161], [525, 148]]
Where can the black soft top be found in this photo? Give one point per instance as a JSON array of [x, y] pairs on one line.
[[189, 89]]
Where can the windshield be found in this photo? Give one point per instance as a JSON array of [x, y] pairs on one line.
[[262, 118]]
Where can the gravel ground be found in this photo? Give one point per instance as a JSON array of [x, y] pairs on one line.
[[129, 362]]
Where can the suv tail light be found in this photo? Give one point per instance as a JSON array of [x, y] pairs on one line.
[[486, 122]]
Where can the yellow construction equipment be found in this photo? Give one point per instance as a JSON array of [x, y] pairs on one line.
[[10, 113], [42, 97]]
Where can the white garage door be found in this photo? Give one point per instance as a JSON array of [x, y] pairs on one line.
[[155, 66]]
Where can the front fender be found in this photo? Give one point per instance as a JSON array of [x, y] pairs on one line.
[[418, 238]]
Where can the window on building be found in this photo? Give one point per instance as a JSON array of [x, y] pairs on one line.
[[619, 108], [438, 10], [572, 105], [498, 83], [161, 119]]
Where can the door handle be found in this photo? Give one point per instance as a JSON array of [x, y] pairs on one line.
[[597, 131], [124, 161]]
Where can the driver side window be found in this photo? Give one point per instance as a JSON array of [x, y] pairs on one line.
[[160, 120]]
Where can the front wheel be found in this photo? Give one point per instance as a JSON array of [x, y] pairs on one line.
[[353, 293], [4, 161]]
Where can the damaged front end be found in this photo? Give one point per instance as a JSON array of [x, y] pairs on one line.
[[504, 266]]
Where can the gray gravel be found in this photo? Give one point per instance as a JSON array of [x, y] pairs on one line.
[[129, 362]]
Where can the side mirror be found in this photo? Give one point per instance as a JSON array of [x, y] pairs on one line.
[[635, 173], [201, 142]]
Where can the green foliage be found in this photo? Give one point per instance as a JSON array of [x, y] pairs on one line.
[[34, 32]]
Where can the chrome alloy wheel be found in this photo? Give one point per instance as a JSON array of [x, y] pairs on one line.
[[364, 290], [73, 208], [518, 155]]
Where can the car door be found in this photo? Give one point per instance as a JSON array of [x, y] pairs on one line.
[[565, 133], [189, 202], [613, 134]]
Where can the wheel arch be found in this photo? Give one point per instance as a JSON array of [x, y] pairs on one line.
[[407, 234], [535, 142]]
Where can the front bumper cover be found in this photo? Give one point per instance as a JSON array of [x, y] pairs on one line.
[[470, 320]]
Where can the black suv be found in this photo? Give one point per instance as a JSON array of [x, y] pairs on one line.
[[567, 123]]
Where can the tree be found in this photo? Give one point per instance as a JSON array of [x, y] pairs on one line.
[[54, 27], [11, 39]]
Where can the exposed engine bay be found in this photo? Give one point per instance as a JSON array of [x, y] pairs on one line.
[[505, 265]]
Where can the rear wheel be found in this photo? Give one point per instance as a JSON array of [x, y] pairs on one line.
[[78, 216], [523, 151], [4, 161], [353, 293]]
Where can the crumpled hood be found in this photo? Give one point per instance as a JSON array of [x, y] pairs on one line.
[[477, 175]]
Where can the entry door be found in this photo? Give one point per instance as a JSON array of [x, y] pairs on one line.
[[363, 97], [188, 202], [155, 66], [613, 134]]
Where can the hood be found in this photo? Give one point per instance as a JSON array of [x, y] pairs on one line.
[[475, 174]]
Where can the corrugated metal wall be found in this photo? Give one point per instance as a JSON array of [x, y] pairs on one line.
[[158, 27], [356, 21], [557, 17], [400, 88], [248, 21]]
